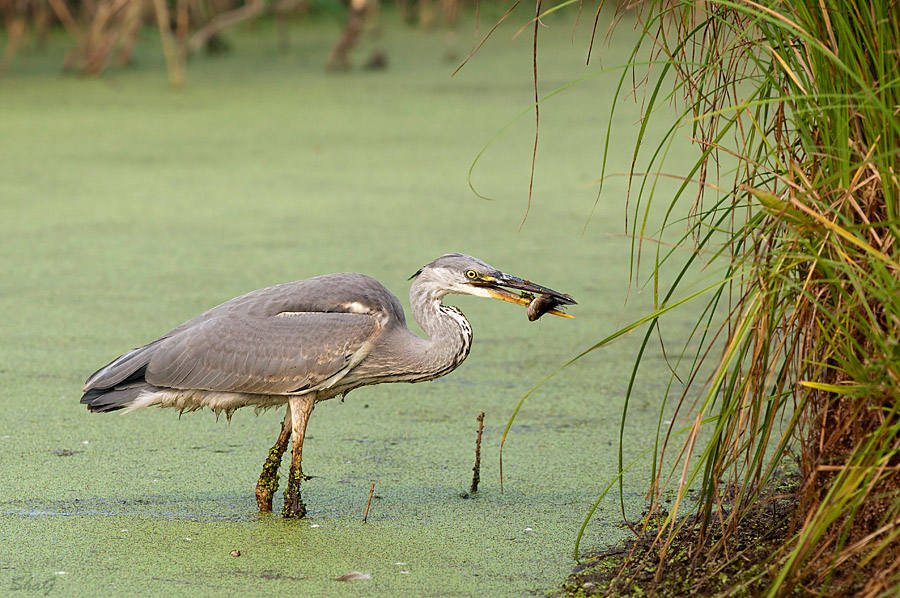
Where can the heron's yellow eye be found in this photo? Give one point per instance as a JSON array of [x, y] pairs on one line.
[[471, 274]]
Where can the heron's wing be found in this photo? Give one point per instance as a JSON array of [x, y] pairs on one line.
[[285, 353], [299, 330]]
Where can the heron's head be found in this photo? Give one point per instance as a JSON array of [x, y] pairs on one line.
[[467, 275]]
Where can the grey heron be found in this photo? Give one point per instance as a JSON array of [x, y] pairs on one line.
[[307, 341]]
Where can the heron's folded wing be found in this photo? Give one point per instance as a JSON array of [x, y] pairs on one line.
[[290, 352]]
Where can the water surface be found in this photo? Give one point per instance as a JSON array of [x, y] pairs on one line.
[[127, 209]]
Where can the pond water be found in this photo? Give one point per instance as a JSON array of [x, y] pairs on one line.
[[126, 209]]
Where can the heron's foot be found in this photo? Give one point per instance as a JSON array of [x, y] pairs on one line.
[[293, 502]]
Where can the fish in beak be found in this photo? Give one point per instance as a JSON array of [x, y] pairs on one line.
[[538, 299]]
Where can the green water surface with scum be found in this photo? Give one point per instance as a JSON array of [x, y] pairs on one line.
[[126, 209]]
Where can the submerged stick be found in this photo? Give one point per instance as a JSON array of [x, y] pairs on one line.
[[369, 502], [476, 475]]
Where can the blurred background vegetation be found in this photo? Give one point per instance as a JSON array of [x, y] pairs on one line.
[[102, 34]]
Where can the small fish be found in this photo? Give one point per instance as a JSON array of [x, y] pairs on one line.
[[546, 303], [541, 305]]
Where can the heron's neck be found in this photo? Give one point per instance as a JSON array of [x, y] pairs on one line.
[[449, 332]]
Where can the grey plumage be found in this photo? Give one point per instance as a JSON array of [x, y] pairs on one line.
[[273, 341], [314, 338]]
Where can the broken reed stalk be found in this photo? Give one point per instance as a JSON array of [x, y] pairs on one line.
[[369, 502], [476, 471]]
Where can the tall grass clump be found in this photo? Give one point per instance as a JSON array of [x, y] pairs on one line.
[[794, 201]]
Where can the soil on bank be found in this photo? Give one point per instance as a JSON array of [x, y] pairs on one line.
[[739, 567]]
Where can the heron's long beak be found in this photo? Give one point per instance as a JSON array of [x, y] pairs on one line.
[[495, 284]]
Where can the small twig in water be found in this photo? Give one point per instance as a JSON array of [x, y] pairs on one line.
[[369, 502], [476, 475]]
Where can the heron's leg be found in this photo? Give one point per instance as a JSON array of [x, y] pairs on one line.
[[301, 407], [268, 479]]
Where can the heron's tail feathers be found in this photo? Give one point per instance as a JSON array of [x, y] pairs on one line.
[[99, 400], [117, 384], [121, 368]]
